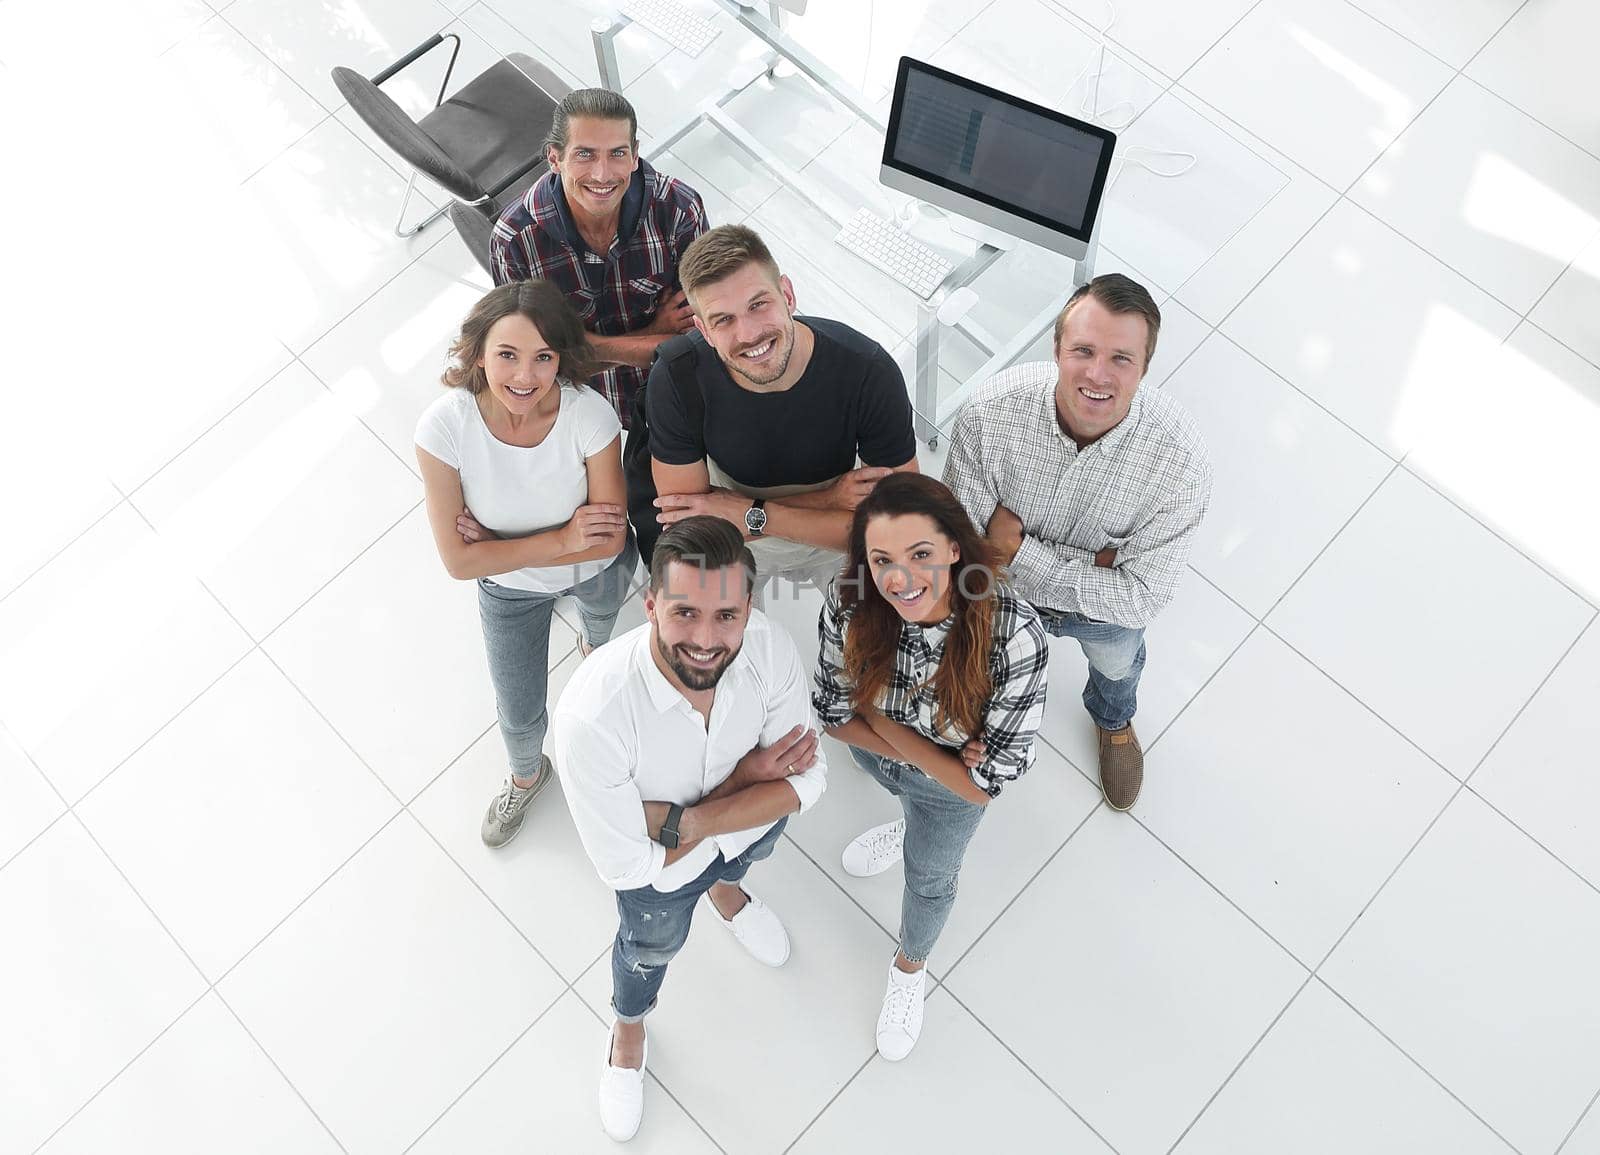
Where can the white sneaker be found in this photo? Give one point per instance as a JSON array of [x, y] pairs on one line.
[[758, 930], [622, 1095], [876, 850], [900, 1021]]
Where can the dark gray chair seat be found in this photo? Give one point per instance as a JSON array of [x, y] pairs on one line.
[[483, 146]]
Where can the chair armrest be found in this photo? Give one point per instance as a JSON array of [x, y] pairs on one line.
[[418, 53]]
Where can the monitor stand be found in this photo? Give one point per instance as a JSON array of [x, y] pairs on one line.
[[983, 234], [960, 225]]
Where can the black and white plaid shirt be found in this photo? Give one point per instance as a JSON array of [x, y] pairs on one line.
[[1142, 488], [1019, 663]]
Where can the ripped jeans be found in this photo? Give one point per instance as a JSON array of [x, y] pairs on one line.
[[655, 925]]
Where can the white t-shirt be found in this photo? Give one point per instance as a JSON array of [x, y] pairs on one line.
[[517, 490]]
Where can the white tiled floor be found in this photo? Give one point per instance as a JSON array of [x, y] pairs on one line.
[[246, 732]]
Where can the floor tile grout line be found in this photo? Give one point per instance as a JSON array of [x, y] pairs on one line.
[[1217, 890], [43, 830], [139, 1054], [409, 466], [1243, 1059], [280, 70], [126, 496], [478, 886], [1418, 45], [1579, 1122], [1098, 805], [1518, 827], [307, 897], [1412, 1059], [282, 1074], [1201, 688], [1337, 534], [162, 728], [450, 765], [1399, 461], [1543, 330], [1517, 108], [1379, 219], [1454, 794], [1224, 594], [893, 936], [1587, 626], [656, 1077], [832, 1099], [1593, 602], [479, 1077], [1023, 1063], [1365, 705], [338, 573], [199, 973], [31, 574], [133, 491]]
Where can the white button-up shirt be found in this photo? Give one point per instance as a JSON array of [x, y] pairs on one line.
[[623, 735]]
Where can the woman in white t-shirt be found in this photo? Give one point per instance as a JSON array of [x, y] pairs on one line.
[[523, 473]]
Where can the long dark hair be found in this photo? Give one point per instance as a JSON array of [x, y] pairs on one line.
[[963, 684], [538, 301]]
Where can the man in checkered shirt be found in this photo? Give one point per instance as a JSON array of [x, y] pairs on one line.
[[1092, 489], [607, 229]]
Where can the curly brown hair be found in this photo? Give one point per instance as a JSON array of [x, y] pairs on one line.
[[963, 683], [541, 303]]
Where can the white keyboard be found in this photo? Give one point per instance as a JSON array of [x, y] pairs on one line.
[[674, 23], [886, 246]]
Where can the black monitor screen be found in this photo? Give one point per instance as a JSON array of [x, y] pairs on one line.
[[996, 148]]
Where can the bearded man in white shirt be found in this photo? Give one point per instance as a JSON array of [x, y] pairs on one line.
[[1092, 489], [683, 746]]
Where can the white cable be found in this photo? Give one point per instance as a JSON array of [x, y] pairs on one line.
[[1125, 111]]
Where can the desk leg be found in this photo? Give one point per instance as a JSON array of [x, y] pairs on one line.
[[926, 395], [1083, 271], [603, 31]]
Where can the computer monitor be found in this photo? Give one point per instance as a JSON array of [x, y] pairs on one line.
[[1026, 170]]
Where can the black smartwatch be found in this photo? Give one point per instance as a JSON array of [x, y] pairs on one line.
[[755, 518], [669, 829]]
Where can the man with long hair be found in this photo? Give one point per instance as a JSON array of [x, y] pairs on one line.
[[934, 673], [608, 230], [1092, 490], [683, 746]]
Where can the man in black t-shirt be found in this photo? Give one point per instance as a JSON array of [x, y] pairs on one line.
[[798, 417]]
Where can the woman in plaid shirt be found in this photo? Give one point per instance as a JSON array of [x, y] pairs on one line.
[[934, 673]]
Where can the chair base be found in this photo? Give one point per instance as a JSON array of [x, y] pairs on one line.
[[400, 229]]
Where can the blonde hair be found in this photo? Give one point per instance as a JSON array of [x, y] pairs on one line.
[[718, 253]]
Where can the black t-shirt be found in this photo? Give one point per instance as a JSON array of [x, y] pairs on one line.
[[850, 402]]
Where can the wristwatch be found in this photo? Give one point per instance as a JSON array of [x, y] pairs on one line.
[[669, 829], [755, 518]]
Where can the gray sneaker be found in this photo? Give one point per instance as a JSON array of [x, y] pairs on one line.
[[510, 806]]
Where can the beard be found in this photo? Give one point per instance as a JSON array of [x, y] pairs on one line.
[[785, 336], [694, 677]]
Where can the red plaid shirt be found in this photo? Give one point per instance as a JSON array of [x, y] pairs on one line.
[[616, 293]]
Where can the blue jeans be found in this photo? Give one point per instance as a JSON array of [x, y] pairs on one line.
[[654, 925], [939, 824], [1116, 659], [516, 636]]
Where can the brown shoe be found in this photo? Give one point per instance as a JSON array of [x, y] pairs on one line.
[[1121, 766]]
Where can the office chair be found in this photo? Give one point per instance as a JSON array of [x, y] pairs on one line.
[[483, 146], [475, 229]]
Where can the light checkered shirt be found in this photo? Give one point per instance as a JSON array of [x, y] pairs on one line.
[[1143, 488], [1019, 663]]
